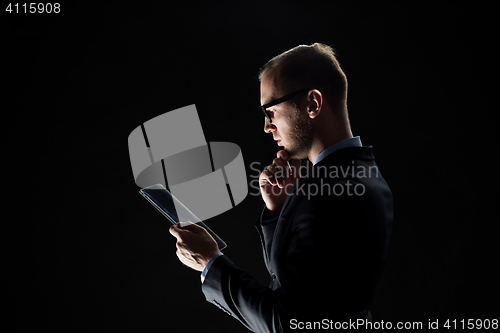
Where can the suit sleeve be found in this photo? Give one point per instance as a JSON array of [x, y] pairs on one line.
[[315, 271], [238, 294]]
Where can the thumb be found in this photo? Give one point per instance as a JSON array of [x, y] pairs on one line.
[[189, 226], [175, 230]]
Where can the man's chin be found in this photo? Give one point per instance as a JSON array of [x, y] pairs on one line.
[[296, 155]]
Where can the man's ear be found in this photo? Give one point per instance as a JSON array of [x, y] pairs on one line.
[[315, 103]]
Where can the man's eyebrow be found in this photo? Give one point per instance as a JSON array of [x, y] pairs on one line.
[[270, 99]]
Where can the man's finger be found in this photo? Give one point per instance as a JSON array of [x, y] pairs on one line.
[[281, 166], [176, 231], [190, 226], [281, 171], [283, 154], [267, 176]]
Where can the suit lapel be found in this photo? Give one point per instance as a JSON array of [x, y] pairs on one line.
[[283, 209], [297, 185]]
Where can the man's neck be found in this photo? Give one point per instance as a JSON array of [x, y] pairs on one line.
[[321, 143]]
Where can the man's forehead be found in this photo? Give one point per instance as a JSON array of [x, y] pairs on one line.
[[268, 88]]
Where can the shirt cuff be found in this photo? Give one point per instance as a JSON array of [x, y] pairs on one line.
[[265, 222], [209, 264]]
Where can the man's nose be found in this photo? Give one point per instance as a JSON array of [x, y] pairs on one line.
[[268, 127]]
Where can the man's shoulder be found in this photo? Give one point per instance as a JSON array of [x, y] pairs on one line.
[[348, 164], [341, 178], [348, 154]]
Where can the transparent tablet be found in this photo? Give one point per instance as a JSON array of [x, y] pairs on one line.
[[174, 210]]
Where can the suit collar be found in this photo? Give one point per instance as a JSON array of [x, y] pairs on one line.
[[346, 143], [350, 153]]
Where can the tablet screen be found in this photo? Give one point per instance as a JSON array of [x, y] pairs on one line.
[[174, 210]]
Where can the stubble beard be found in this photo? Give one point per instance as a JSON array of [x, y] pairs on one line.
[[301, 136]]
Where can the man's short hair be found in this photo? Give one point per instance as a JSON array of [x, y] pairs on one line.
[[309, 67]]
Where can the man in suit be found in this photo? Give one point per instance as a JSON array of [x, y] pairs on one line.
[[325, 235]]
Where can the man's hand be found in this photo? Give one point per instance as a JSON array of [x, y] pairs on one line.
[[195, 246], [277, 181]]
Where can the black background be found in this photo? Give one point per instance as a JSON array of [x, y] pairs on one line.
[[83, 251]]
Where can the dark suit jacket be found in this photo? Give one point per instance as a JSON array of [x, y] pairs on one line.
[[325, 253]]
